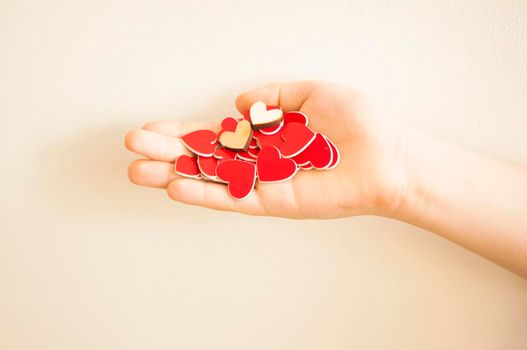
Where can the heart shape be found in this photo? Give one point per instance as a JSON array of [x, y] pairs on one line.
[[187, 166], [247, 115], [207, 167], [253, 152], [261, 117], [271, 153], [319, 153], [253, 144], [295, 116], [272, 129], [201, 142], [239, 175], [248, 157], [224, 153], [239, 139], [269, 140], [335, 153], [297, 137], [229, 124], [272, 167]]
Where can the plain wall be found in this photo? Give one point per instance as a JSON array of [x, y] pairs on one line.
[[90, 261]]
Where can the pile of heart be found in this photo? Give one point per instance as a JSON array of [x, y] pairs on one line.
[[265, 145]]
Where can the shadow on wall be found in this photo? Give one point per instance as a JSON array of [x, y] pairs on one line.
[[84, 175]]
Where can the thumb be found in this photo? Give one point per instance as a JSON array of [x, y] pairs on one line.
[[288, 95]]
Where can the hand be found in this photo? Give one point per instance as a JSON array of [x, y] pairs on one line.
[[370, 178], [385, 169]]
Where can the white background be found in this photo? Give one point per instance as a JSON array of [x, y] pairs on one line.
[[89, 261]]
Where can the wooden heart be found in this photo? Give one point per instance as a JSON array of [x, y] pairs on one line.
[[261, 117], [239, 139]]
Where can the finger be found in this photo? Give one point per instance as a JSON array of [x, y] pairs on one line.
[[177, 129], [288, 95], [154, 145], [212, 195], [151, 173]]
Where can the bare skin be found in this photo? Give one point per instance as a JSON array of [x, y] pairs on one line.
[[386, 169]]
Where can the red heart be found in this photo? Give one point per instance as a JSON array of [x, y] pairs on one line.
[[295, 116], [269, 140], [272, 129], [318, 153], [201, 142], [207, 166], [297, 137], [335, 153], [246, 156], [253, 144], [229, 124], [272, 167], [289, 117], [239, 175], [253, 152], [224, 153], [187, 166]]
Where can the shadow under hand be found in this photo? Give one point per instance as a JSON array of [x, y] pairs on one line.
[[84, 176]]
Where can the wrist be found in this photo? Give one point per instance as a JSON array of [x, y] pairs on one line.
[[418, 157], [394, 184], [428, 164]]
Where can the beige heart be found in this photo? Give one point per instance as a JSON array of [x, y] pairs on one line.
[[239, 139], [263, 118]]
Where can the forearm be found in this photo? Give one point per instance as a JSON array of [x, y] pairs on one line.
[[477, 202]]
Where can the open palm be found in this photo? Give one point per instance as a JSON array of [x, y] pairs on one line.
[[370, 178]]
